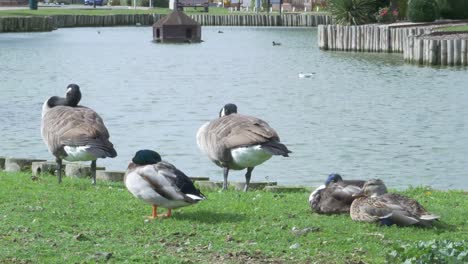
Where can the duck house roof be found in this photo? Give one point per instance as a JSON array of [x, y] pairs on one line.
[[176, 18]]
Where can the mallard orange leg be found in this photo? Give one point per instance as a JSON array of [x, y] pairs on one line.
[[169, 212], [154, 215]]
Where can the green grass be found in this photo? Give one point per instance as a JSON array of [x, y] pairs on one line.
[[75, 222], [454, 28]]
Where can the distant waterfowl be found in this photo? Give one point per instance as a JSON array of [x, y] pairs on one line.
[[306, 75], [276, 43], [73, 132], [335, 196], [376, 205], [159, 183], [235, 141], [220, 32]]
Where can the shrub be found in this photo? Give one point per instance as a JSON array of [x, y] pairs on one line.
[[402, 6], [453, 9], [386, 15], [433, 251], [423, 10], [352, 12]]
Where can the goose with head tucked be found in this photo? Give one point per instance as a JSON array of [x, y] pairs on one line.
[[73, 132], [159, 183], [376, 205], [335, 196], [236, 141]]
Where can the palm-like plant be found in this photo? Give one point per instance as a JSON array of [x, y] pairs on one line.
[[353, 12]]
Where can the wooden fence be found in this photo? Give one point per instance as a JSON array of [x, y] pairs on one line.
[[31, 24], [416, 43]]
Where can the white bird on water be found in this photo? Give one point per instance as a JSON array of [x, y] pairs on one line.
[[306, 75]]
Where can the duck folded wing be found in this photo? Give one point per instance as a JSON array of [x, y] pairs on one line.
[[163, 181], [346, 193], [409, 204]]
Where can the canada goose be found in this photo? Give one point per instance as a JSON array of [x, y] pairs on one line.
[[335, 196], [73, 132], [235, 141], [276, 43], [376, 205], [159, 183]]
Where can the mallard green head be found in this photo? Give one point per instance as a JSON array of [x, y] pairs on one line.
[[334, 177], [146, 157], [374, 187]]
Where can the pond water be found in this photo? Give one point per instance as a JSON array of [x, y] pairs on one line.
[[362, 115]]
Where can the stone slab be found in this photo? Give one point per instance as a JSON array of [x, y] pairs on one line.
[[19, 164], [79, 170], [110, 175], [38, 167], [195, 179], [209, 185]]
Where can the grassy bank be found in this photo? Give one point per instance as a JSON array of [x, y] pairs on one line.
[[75, 222], [454, 28]]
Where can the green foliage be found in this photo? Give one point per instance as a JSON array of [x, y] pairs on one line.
[[353, 12], [423, 10], [433, 251], [453, 9], [386, 15], [402, 6], [161, 3]]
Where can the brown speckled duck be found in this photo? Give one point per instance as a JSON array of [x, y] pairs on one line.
[[335, 196], [376, 205]]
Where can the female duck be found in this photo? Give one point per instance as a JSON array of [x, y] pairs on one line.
[[335, 196], [159, 183], [376, 205]]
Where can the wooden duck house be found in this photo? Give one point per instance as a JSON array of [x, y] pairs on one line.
[[177, 27]]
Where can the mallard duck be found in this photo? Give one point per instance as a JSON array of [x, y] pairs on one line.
[[376, 205], [159, 183], [235, 141], [335, 196], [73, 132], [276, 43]]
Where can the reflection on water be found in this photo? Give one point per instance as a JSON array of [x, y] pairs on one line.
[[362, 115]]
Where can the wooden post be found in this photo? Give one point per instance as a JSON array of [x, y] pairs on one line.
[[443, 52], [457, 52], [464, 52]]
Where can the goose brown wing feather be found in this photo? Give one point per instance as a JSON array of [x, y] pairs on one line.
[[77, 126], [240, 130]]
